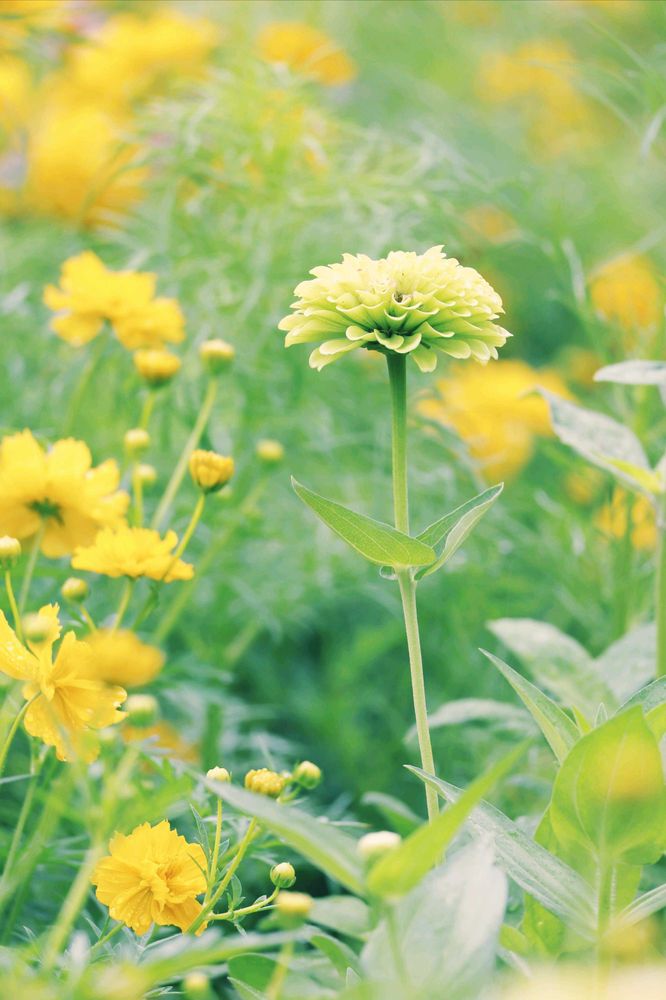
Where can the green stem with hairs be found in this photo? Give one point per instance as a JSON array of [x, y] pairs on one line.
[[229, 874], [398, 380]]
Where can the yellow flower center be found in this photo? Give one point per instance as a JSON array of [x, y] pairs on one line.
[[153, 878]]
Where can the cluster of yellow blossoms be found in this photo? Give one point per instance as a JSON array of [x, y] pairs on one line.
[[626, 293]]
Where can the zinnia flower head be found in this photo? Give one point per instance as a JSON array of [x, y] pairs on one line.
[[306, 50], [57, 490], [72, 700], [151, 876], [133, 552], [423, 305], [497, 418], [122, 658]]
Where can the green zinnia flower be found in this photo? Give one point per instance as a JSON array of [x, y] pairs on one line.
[[418, 304]]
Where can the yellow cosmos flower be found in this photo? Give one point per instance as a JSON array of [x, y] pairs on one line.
[[165, 738], [72, 700], [122, 658], [634, 513], [306, 50], [56, 491], [627, 293], [151, 876], [133, 552], [91, 293], [495, 416]]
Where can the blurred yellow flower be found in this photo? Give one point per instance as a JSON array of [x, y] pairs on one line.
[[306, 50], [492, 223], [626, 292], [156, 366], [569, 983], [16, 94], [122, 658], [133, 552], [70, 699], [57, 492], [633, 512], [498, 417], [209, 470], [152, 876], [91, 293], [165, 738]]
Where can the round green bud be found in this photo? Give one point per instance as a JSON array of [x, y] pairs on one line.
[[283, 875], [293, 907], [216, 355], [374, 845], [142, 710], [147, 474], [136, 440], [218, 774], [306, 774], [10, 550], [75, 589]]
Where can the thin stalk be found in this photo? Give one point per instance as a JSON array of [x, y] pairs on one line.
[[276, 985], [191, 443], [87, 617], [189, 531], [660, 591], [18, 628], [137, 490], [244, 911], [147, 409], [216, 852], [229, 874], [398, 381], [30, 567], [70, 908], [18, 719], [81, 387], [106, 937], [125, 598], [20, 825]]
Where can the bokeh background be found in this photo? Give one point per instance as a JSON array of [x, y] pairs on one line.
[[232, 146]]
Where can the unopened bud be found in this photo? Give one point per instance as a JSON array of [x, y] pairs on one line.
[[307, 774], [293, 907], [270, 452], [374, 845], [218, 774], [209, 470], [196, 986], [147, 474], [265, 782], [283, 875], [136, 440], [156, 366], [75, 589], [10, 550], [142, 710], [216, 355], [38, 628]]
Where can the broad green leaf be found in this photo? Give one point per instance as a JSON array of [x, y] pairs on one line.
[[456, 526], [629, 663], [609, 796], [337, 952], [176, 956], [559, 731], [442, 937], [554, 884], [322, 844], [377, 542], [633, 373], [401, 869], [398, 815], [556, 661], [466, 710], [598, 438], [646, 904], [652, 699], [345, 914]]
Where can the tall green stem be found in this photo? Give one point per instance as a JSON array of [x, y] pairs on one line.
[[660, 591], [30, 567], [18, 627], [13, 729], [398, 380]]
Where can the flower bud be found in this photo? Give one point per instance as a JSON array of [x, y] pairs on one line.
[[293, 907], [269, 451], [136, 440], [156, 366], [283, 875], [216, 355], [37, 628], [196, 986], [75, 589], [307, 774], [374, 845], [265, 782], [10, 550], [142, 710], [209, 470], [147, 474], [218, 774]]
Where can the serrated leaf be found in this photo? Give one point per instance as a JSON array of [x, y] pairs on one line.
[[558, 729], [554, 884], [377, 542], [456, 526], [397, 872], [325, 846], [598, 438], [633, 373]]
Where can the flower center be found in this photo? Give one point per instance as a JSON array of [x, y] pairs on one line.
[[152, 878], [46, 508]]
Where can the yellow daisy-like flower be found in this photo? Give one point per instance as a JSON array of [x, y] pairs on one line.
[[56, 491], [633, 513], [151, 876], [626, 292], [496, 417], [165, 738], [72, 700], [306, 50], [133, 552], [90, 293], [423, 305], [122, 658]]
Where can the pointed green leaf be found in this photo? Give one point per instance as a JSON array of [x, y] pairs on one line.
[[560, 732], [633, 373], [628, 664], [375, 541], [454, 528], [642, 907], [403, 868]]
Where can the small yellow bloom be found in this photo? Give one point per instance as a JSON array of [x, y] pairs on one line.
[[306, 50], [122, 658], [218, 774], [210, 471], [57, 489], [216, 355], [293, 907], [133, 552], [72, 700], [626, 510], [151, 876], [498, 417], [627, 293], [156, 367], [265, 782]]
